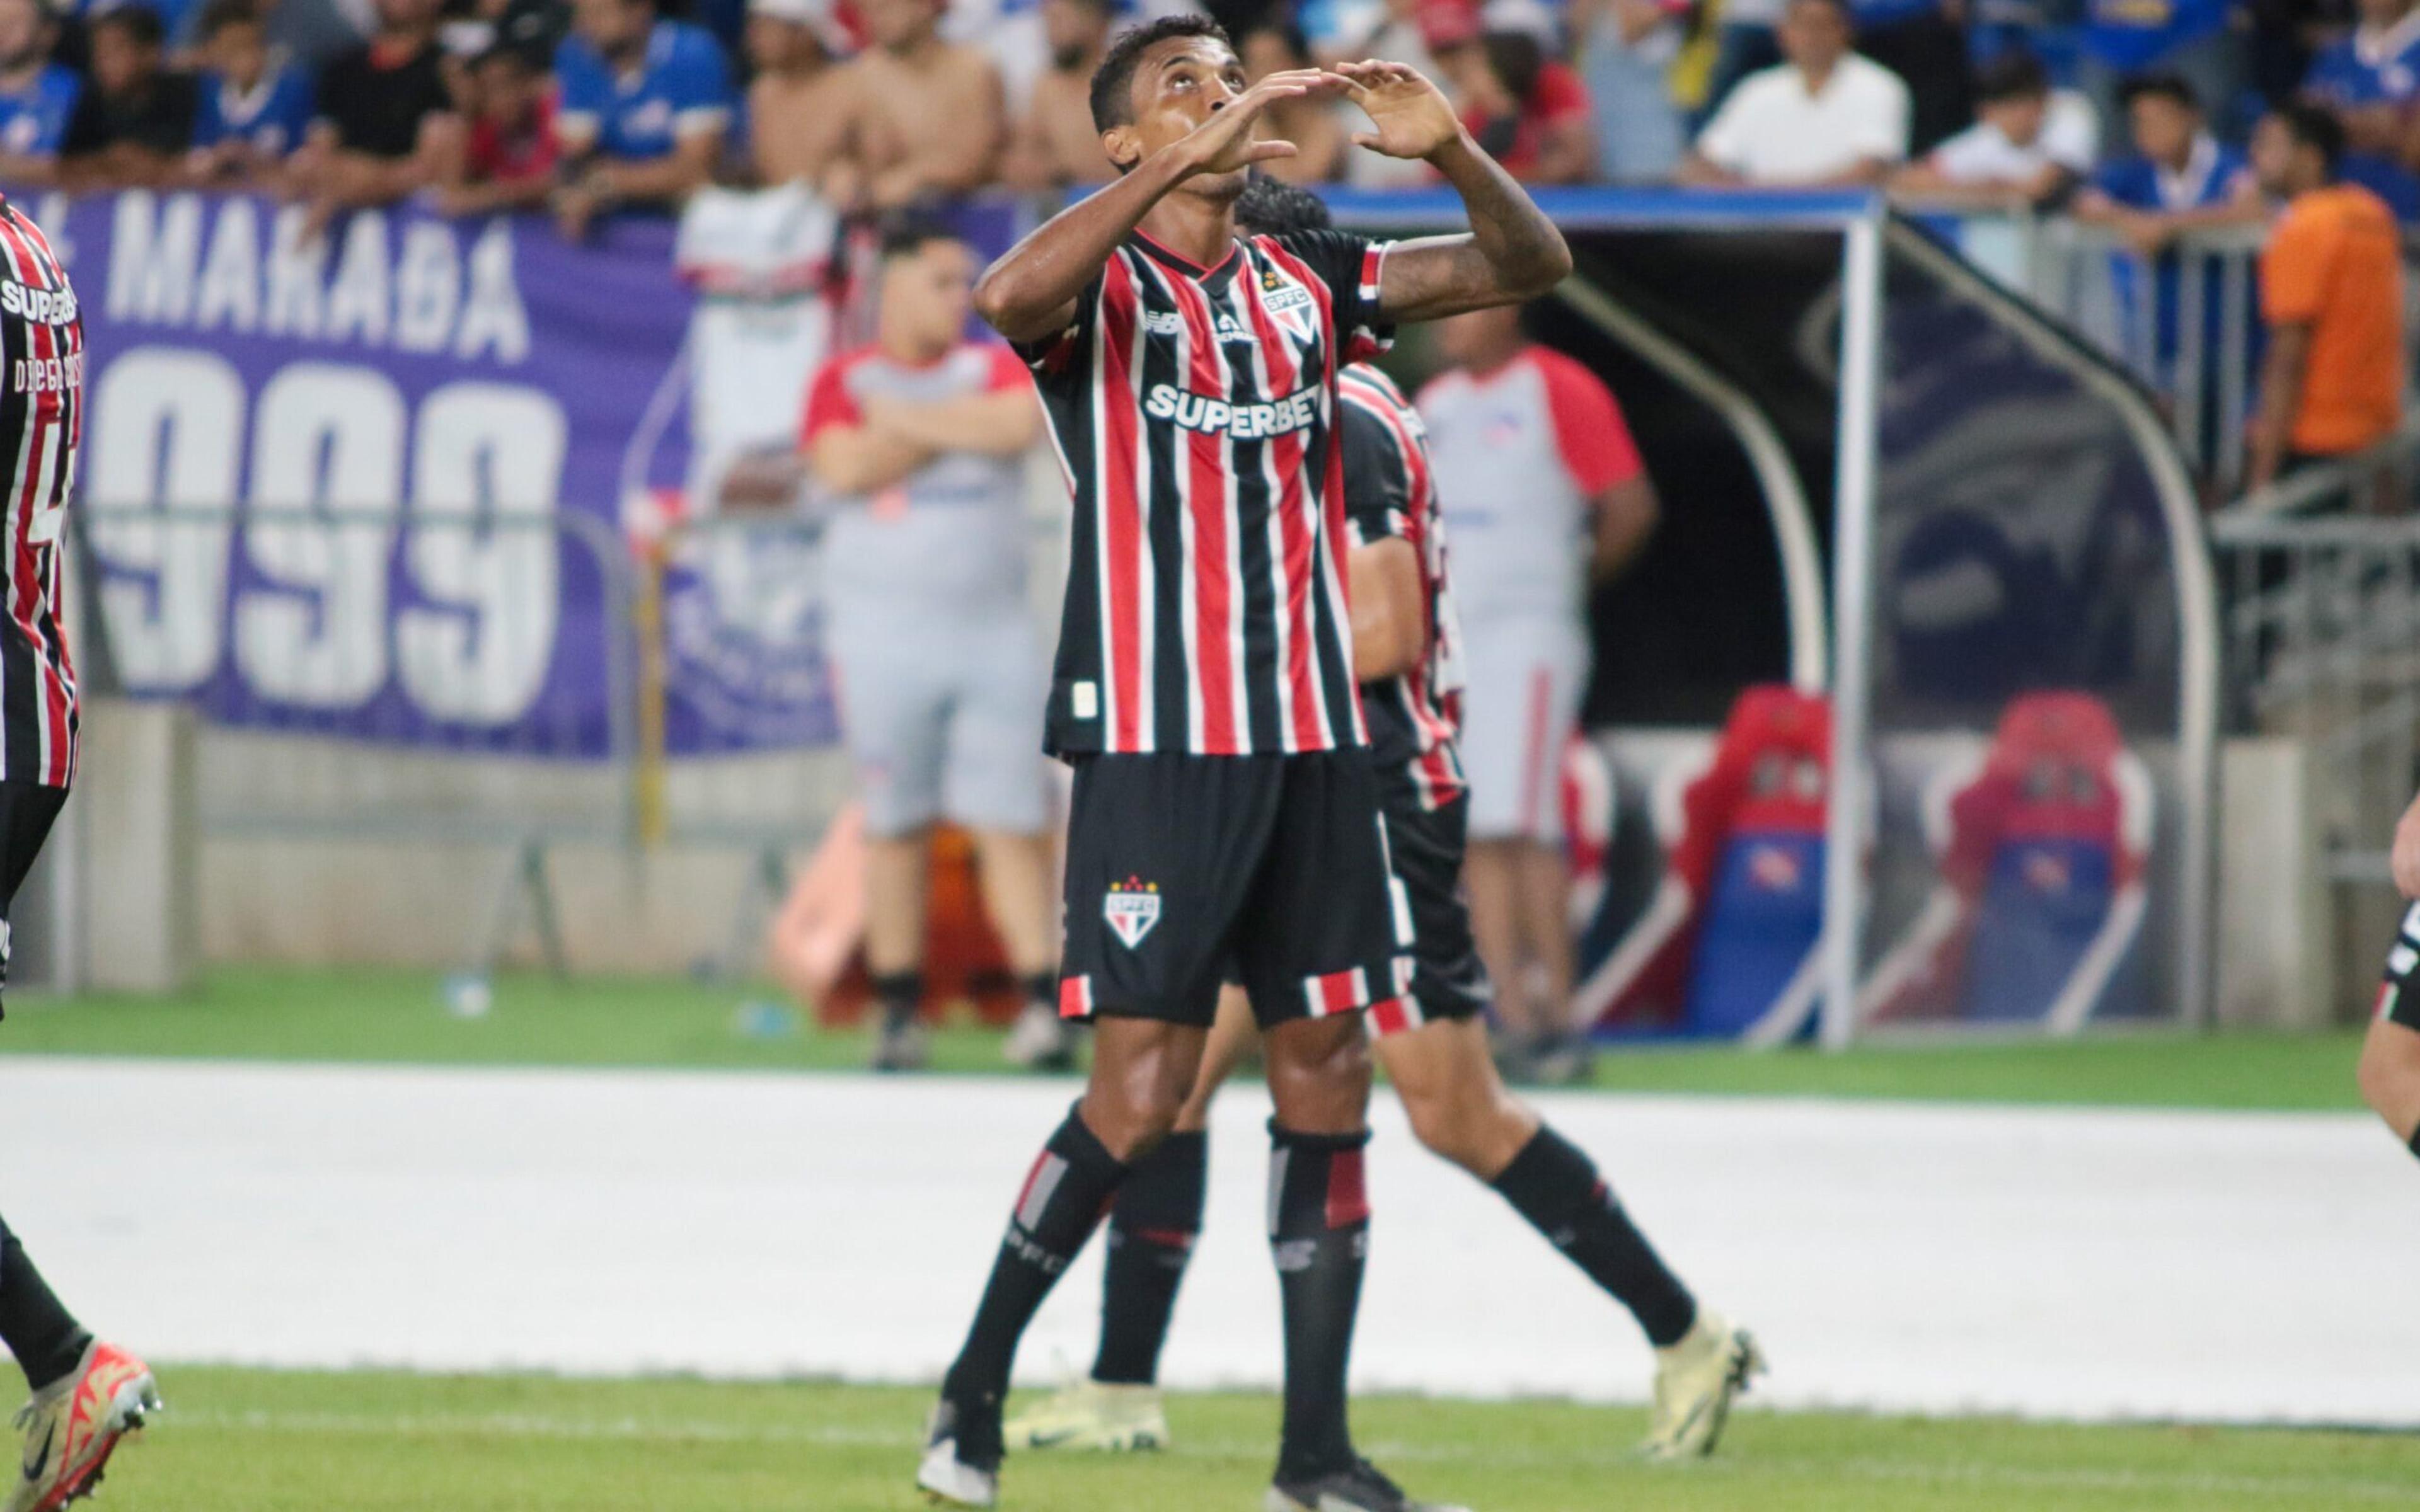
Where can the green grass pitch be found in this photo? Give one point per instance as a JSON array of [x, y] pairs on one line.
[[274, 1441], [398, 1016]]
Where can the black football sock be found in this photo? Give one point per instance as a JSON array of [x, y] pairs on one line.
[[46, 1340], [1042, 991], [1061, 1202], [1556, 1186], [1151, 1236], [1319, 1231], [900, 995], [2416, 1143]]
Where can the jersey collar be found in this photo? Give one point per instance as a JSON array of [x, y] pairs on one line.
[[1178, 262]]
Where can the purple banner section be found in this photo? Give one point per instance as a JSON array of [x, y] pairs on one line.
[[434, 433]]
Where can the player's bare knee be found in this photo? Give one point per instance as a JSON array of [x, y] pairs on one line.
[[1319, 1074]]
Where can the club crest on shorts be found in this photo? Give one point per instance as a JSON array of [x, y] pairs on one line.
[[1131, 907]]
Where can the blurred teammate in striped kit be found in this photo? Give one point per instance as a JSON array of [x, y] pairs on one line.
[[87, 1394]]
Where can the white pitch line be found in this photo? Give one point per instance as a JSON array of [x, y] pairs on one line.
[[2084, 1264]]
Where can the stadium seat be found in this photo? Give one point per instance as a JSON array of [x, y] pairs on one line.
[[2042, 842], [814, 945], [1727, 945]]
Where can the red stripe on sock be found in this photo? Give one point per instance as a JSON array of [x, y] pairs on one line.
[[1348, 1193]]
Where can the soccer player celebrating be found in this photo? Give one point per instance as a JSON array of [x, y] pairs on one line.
[[2390, 1056], [1225, 807], [87, 1394], [1432, 1042]]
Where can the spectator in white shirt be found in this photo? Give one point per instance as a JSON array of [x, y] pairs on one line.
[[2031, 146], [1825, 118]]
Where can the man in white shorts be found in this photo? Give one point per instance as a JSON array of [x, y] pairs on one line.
[[1544, 495], [916, 444]]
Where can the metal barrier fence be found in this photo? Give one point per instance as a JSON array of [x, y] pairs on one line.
[[373, 675], [2184, 320], [2322, 631]]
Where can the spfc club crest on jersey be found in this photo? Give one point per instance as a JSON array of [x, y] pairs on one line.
[[1131, 907], [1289, 301]]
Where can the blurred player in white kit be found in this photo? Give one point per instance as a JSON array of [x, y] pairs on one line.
[[1544, 495], [917, 444]]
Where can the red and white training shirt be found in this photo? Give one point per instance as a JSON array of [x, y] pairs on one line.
[[1522, 453], [1194, 411], [41, 423]]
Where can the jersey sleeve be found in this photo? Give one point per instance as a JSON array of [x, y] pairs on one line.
[[828, 403], [1351, 268], [1377, 481], [1590, 433], [1063, 357], [697, 82]]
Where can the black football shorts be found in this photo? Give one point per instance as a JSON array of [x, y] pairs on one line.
[[1181, 866], [1426, 847]]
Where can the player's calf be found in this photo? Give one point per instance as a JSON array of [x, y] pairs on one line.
[[2389, 1075]]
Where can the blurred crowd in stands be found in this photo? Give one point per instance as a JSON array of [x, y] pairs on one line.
[[2133, 111]]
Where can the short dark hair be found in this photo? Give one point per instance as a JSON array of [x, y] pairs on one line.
[[141, 25], [2173, 87], [1113, 94], [221, 14], [911, 232], [2315, 127], [1273, 208], [2016, 74], [1846, 11]]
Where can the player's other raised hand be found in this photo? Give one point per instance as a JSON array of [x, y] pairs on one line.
[[1412, 117], [1230, 140]]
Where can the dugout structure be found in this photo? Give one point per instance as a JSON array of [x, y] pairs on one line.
[[1890, 480]]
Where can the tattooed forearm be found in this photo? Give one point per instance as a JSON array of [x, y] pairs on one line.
[[1513, 252]]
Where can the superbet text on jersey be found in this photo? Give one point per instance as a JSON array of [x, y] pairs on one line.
[[41, 423], [1194, 412]]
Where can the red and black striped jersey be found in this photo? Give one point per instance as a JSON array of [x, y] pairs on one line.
[[1391, 490], [1194, 412], [41, 423]]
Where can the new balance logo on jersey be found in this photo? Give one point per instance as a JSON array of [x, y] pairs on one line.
[[49, 307], [1163, 322], [1298, 410], [1131, 907]]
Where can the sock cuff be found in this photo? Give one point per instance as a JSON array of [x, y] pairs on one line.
[[1284, 1139], [1075, 1142], [1550, 1171], [2416, 1143], [1042, 987], [892, 985], [1316, 1183]]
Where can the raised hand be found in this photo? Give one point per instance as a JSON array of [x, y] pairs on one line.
[[1412, 117], [1226, 144]]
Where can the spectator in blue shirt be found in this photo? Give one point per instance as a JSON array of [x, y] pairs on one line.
[[38, 98], [2177, 179], [644, 106], [2193, 40], [250, 115], [2371, 82]]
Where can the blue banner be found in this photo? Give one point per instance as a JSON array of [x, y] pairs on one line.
[[436, 433]]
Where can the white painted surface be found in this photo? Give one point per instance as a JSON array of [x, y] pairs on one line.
[[1930, 1259]]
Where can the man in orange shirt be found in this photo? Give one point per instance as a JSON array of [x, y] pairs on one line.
[[2332, 293]]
